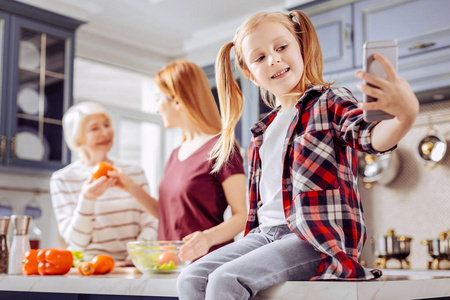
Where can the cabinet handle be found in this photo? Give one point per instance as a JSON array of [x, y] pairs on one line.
[[419, 46], [348, 36], [2, 148], [13, 149]]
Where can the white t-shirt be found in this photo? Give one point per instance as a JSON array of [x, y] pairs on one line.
[[271, 213]]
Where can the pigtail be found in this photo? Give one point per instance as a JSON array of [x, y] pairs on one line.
[[310, 48], [231, 103]]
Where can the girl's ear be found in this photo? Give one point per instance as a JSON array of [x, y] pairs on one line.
[[248, 75]]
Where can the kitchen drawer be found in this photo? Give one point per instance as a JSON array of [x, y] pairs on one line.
[[419, 26]]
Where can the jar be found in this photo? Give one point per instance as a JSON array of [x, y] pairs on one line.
[[4, 224]]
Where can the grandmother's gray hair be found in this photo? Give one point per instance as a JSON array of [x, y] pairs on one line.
[[73, 121]]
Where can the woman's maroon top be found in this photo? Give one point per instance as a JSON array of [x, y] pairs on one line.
[[190, 197]]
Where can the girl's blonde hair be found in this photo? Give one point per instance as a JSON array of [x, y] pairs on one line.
[[74, 121], [230, 96], [187, 82]]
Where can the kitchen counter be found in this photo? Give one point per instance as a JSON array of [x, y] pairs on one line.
[[128, 283]]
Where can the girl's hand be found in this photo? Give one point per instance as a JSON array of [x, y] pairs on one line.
[[92, 189], [197, 244], [394, 95]]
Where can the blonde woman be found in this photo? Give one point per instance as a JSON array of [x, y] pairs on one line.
[[99, 216], [193, 198]]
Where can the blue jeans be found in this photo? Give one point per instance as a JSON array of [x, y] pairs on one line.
[[249, 265]]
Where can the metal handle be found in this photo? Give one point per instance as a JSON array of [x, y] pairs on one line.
[[419, 46], [348, 35], [13, 149], [2, 148]]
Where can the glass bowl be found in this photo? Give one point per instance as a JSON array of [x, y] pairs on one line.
[[156, 256]]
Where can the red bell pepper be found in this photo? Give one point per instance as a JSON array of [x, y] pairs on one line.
[[54, 261]]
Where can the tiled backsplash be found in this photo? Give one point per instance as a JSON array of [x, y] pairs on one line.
[[417, 202]]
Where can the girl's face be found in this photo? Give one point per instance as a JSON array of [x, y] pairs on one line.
[[273, 57], [167, 109], [98, 134]]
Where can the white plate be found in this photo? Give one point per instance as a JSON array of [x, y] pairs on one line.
[[29, 55], [30, 147], [28, 100]]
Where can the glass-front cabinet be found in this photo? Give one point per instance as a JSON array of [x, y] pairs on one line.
[[4, 26], [36, 90]]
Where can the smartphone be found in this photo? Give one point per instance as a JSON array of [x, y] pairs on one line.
[[388, 49]]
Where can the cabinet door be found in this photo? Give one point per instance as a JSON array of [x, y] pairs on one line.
[[334, 29], [41, 89], [4, 27], [419, 26]]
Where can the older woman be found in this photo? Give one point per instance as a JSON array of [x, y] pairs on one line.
[[98, 216]]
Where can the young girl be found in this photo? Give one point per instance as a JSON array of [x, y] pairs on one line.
[[305, 220]]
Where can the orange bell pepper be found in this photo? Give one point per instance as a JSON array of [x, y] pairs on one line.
[[54, 261], [103, 264], [30, 263]]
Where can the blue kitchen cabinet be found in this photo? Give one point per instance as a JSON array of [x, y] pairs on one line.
[[419, 26], [334, 29], [4, 29], [422, 31], [37, 70]]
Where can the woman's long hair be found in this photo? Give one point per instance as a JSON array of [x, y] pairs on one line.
[[230, 96], [187, 82]]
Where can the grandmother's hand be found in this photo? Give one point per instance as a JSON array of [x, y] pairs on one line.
[[92, 189]]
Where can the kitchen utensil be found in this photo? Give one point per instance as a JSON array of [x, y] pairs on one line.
[[28, 100], [30, 146], [380, 169], [29, 55], [156, 256], [390, 246], [4, 224], [20, 243], [432, 148], [439, 249]]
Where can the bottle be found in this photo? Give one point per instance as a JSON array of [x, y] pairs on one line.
[[33, 210], [20, 243], [4, 224]]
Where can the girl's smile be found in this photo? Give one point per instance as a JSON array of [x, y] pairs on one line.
[[281, 74]]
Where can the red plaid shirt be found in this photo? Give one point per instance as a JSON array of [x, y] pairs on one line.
[[320, 192]]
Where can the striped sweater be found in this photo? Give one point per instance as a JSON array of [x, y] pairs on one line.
[[104, 225]]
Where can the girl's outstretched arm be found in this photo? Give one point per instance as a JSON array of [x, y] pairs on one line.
[[395, 97]]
